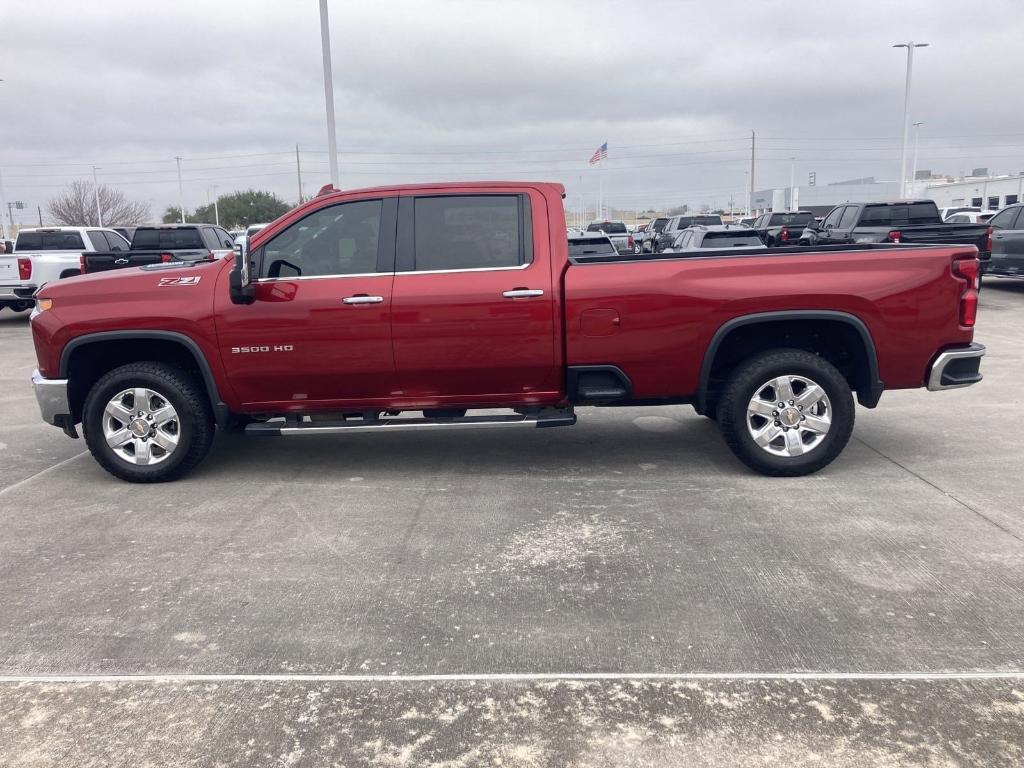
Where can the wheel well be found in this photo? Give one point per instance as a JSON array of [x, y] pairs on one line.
[[840, 342], [87, 363]]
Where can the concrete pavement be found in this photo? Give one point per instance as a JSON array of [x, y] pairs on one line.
[[631, 543]]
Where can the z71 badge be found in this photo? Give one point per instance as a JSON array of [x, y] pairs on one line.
[[191, 280]]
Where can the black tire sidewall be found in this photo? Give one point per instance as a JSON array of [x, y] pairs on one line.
[[732, 412], [189, 422]]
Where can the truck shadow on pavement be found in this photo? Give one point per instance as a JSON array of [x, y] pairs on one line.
[[604, 443]]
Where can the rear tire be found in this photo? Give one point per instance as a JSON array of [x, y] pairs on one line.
[[110, 411], [823, 423]]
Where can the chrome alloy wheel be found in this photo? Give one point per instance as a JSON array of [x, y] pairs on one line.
[[141, 426], [789, 416]]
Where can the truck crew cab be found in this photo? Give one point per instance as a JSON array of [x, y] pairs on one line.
[[359, 307]]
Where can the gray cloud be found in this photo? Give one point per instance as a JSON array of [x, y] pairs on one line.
[[485, 89]]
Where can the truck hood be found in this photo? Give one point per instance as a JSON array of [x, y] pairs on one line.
[[134, 280]]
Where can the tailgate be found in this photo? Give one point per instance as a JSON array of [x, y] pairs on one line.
[[946, 234], [9, 268]]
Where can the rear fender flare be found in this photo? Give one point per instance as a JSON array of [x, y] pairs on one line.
[[868, 397]]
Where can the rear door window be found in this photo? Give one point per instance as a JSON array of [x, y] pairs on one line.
[[115, 242], [97, 240], [471, 232]]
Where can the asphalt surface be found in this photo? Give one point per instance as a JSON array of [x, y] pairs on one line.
[[620, 593]]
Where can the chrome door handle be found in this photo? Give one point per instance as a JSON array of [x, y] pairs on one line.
[[522, 293], [363, 299]]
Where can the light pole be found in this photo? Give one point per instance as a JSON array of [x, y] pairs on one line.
[[181, 192], [913, 171], [332, 142], [792, 183], [216, 212], [910, 46], [96, 191]]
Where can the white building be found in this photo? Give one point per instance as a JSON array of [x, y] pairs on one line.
[[820, 198], [986, 192]]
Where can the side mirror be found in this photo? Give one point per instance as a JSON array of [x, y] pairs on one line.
[[241, 287]]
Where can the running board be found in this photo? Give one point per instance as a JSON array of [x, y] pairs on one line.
[[292, 427]]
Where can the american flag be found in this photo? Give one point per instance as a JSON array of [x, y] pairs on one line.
[[601, 153]]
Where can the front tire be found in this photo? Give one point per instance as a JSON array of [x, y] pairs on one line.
[[147, 422], [786, 413]]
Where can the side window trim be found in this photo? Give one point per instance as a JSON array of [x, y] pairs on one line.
[[405, 246]]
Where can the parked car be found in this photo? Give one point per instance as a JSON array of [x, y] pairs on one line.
[[617, 231], [163, 243], [126, 232], [45, 254], [945, 213], [1007, 243], [974, 217], [906, 221], [777, 228], [643, 242], [712, 238], [747, 221], [451, 301], [677, 224], [592, 244]]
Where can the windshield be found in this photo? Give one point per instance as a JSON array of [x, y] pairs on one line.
[[901, 213], [731, 240], [658, 225], [591, 246], [49, 241], [608, 227], [172, 238], [791, 219]]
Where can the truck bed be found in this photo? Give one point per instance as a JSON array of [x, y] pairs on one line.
[[647, 314]]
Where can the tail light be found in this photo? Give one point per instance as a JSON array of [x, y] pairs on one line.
[[24, 268], [210, 256], [166, 258], [784, 234], [629, 242], [895, 236], [988, 240], [969, 270], [81, 263]]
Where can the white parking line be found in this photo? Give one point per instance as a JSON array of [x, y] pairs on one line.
[[511, 677], [41, 472]]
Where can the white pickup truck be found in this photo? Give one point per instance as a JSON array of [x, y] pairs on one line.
[[46, 254]]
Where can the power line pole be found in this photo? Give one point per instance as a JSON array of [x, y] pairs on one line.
[[325, 43], [3, 202], [753, 140], [792, 183], [39, 210], [181, 192], [96, 191], [910, 46], [298, 171]]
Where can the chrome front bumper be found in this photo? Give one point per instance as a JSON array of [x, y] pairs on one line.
[[956, 368], [52, 396]]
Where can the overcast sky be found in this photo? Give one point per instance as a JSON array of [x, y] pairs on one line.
[[477, 89]]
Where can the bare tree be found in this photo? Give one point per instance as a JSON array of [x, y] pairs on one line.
[[76, 207]]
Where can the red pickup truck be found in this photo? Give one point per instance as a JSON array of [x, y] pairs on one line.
[[360, 308]]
